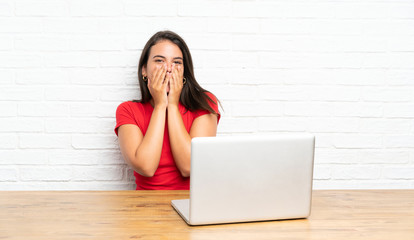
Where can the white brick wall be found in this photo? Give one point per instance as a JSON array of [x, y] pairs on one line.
[[342, 70]]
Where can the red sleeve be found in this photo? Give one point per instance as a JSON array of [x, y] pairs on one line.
[[214, 106], [124, 115]]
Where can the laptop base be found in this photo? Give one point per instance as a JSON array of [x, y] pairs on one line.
[[182, 207]]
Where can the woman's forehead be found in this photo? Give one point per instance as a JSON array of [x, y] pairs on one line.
[[166, 48]]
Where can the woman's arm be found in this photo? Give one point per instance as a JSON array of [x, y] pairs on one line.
[[143, 153], [180, 139]]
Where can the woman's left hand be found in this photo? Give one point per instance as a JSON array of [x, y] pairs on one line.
[[176, 85]]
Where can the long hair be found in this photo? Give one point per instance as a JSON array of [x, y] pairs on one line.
[[193, 96]]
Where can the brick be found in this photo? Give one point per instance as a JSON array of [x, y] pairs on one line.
[[256, 109], [284, 93], [401, 60], [98, 77], [118, 60], [321, 172], [46, 174], [259, 43], [6, 8], [383, 156], [336, 156], [399, 141], [404, 172], [29, 43], [209, 42], [400, 110], [199, 8], [7, 77], [120, 94], [233, 25], [360, 10], [71, 94], [357, 141], [8, 175], [136, 41], [21, 25], [23, 157], [351, 77], [221, 59], [393, 126], [356, 172], [286, 26], [237, 125], [400, 77], [8, 109], [49, 8], [6, 43], [47, 109], [400, 94], [348, 94], [163, 8], [21, 93], [214, 76], [282, 124], [333, 125], [357, 109], [336, 27], [95, 43], [95, 8], [84, 59], [21, 125], [44, 141], [36, 76], [73, 157], [233, 92], [94, 141], [123, 25], [68, 125], [396, 44], [8, 141], [19, 60], [248, 76], [180, 25], [401, 10], [71, 25], [97, 173], [248, 9], [93, 109]]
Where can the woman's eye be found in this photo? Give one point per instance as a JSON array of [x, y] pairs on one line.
[[158, 60], [177, 62]]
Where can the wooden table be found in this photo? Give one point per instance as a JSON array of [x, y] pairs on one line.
[[342, 214]]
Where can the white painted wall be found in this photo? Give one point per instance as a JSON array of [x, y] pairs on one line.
[[342, 70]]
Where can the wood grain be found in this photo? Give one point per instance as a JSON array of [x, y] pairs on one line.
[[336, 214]]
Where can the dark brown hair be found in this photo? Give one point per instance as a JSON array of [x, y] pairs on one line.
[[193, 96]]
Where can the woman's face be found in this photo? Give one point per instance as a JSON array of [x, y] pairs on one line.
[[164, 52]]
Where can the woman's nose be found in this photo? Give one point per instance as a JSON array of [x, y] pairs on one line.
[[169, 67]]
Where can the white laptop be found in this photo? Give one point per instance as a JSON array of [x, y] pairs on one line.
[[249, 178]]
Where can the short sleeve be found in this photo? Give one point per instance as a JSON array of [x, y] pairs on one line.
[[214, 106], [124, 115]]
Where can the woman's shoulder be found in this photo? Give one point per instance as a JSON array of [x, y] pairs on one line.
[[211, 95], [132, 106]]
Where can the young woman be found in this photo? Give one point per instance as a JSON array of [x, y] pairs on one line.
[[155, 132]]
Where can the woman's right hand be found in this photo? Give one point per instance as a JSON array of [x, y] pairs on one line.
[[157, 86]]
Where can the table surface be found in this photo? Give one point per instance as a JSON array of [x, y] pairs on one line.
[[336, 214]]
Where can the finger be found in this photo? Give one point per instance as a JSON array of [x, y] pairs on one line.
[[177, 78], [155, 74]]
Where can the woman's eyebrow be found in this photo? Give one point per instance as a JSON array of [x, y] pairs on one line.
[[160, 56]]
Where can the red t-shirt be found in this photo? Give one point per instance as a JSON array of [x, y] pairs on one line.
[[167, 176]]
